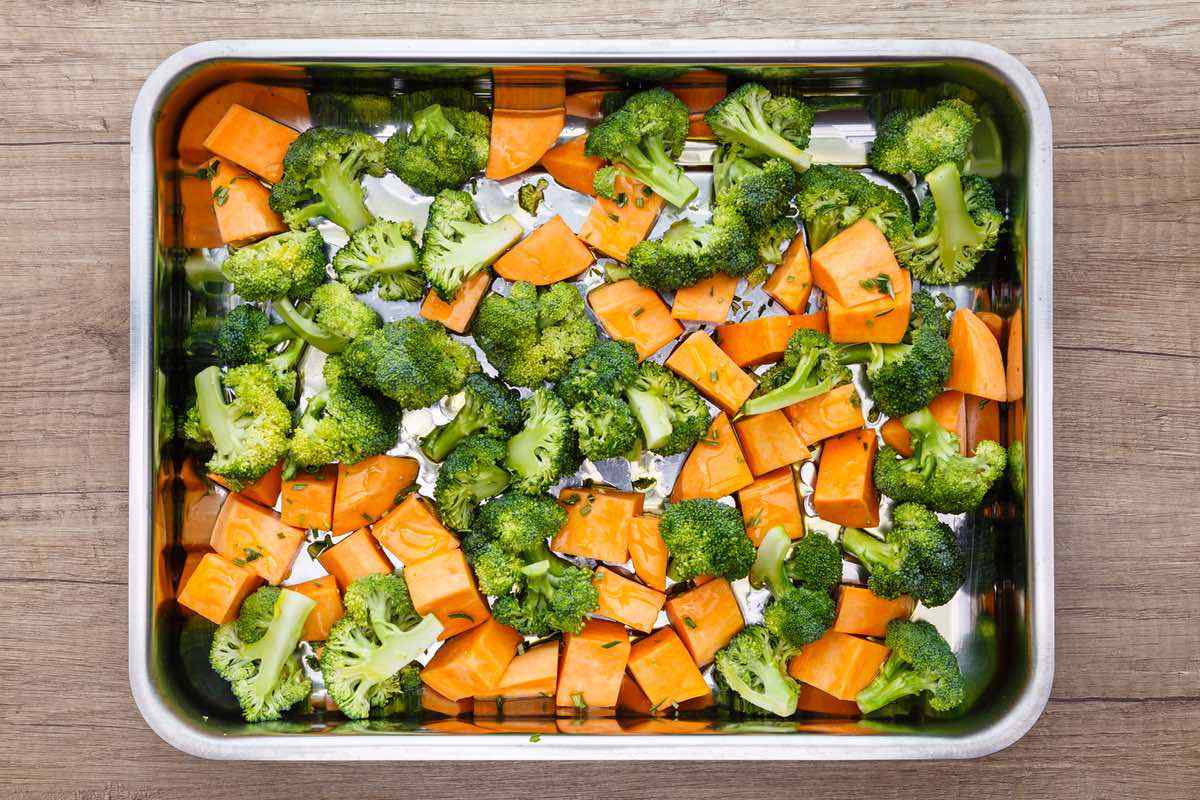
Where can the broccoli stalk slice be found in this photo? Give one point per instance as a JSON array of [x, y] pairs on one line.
[[654, 416], [874, 553], [442, 439], [823, 228], [341, 196], [955, 230], [397, 649], [198, 271], [873, 355], [216, 416], [776, 695], [476, 246], [931, 443], [893, 682], [276, 646], [745, 124], [288, 357], [527, 451], [307, 329], [649, 162], [769, 567], [796, 388]]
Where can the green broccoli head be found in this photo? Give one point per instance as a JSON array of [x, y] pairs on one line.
[[921, 663], [381, 254], [379, 600], [490, 408], [958, 223], [725, 244], [705, 537], [412, 361], [646, 135], [442, 149], [764, 126], [605, 426], [670, 412], [609, 366], [758, 194], [754, 665], [458, 244], [665, 268], [833, 198], [321, 173], [263, 672], [473, 472], [904, 377], [497, 571], [556, 596], [811, 366], [800, 615], [545, 449], [930, 311], [815, 562], [331, 319], [290, 264], [912, 141], [530, 195], [248, 435], [531, 337], [797, 614], [769, 241], [919, 556], [604, 182], [937, 474], [521, 523], [247, 336]]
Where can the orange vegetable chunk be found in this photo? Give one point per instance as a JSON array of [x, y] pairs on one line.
[[264, 491], [632, 701], [190, 561], [838, 664], [308, 499], [976, 367], [597, 523], [857, 254], [791, 282], [705, 618], [568, 165], [706, 366], [769, 442], [458, 313], [201, 507], [253, 534], [590, 672], [284, 104], [862, 612], [369, 489], [240, 204], [983, 422], [716, 466], [764, 340], [252, 141], [817, 418], [664, 669], [200, 227], [614, 229], [444, 585], [586, 105], [472, 663], [328, 610], [814, 701], [520, 138], [1014, 374], [627, 601], [353, 557], [647, 551], [216, 588], [883, 321], [550, 254], [412, 531], [707, 301], [633, 313], [533, 673], [431, 700], [994, 322], [845, 491], [771, 502], [528, 88]]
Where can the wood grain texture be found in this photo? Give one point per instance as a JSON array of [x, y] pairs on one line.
[[1123, 80]]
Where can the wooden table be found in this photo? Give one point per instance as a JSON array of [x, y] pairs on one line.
[[1123, 80]]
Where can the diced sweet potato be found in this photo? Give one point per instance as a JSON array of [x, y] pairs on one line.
[[817, 418], [716, 466], [791, 282], [570, 167], [444, 585], [707, 301], [976, 367], [706, 366], [883, 321], [664, 669], [597, 523], [264, 491], [216, 588], [845, 491], [412, 531], [431, 700], [705, 618], [632, 313], [458, 313], [472, 663], [627, 601], [994, 322], [369, 489], [769, 442], [593, 662], [862, 612], [648, 551], [190, 562], [1014, 365], [252, 141], [764, 340], [285, 104], [520, 138], [983, 421], [240, 204], [771, 502], [308, 499], [614, 229], [845, 265], [201, 507], [633, 702], [839, 664], [353, 557], [199, 220], [533, 673], [948, 409], [814, 701], [324, 590], [253, 536], [550, 254]]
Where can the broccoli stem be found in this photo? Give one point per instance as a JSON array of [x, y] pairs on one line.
[[931, 442], [957, 230], [653, 167], [653, 414], [288, 357], [871, 551], [769, 569], [308, 330], [198, 271], [342, 196], [399, 648], [775, 696], [821, 230], [526, 449], [442, 439], [892, 683], [476, 247], [274, 649], [761, 136], [215, 414], [795, 390]]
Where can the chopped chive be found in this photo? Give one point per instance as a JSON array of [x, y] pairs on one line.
[[691, 623], [607, 645]]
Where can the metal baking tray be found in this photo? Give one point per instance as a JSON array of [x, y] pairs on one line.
[[856, 77]]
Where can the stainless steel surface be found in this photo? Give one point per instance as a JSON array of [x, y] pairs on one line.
[[856, 68]]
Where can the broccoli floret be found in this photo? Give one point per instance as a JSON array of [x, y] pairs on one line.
[[646, 135], [531, 336], [937, 474], [520, 523], [833, 198], [343, 423], [250, 434], [911, 141], [331, 319], [671, 413], [796, 614], [815, 562], [610, 366], [321, 173], [491, 408], [604, 182], [762, 125], [919, 556], [957, 224], [930, 311], [663, 267], [770, 240], [367, 652], [497, 570], [690, 252], [458, 243], [442, 150], [759, 194], [754, 665], [545, 449], [705, 537], [904, 377], [1016, 469], [530, 196], [555, 596], [810, 367], [290, 264], [605, 426], [263, 672], [363, 112], [382, 254], [246, 336], [412, 361], [921, 663], [473, 472]]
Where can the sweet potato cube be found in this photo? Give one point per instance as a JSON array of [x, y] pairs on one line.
[[597, 523], [764, 340], [353, 557], [472, 663], [252, 141], [845, 491], [705, 618], [976, 367], [627, 601], [369, 489], [633, 313], [706, 366], [324, 590], [444, 585], [199, 219], [264, 491], [201, 507], [568, 164], [791, 282], [716, 466], [253, 536], [593, 662], [533, 673], [883, 321], [550, 254], [190, 562], [632, 701], [769, 442], [439, 704], [707, 301], [241, 204], [412, 531], [817, 418], [857, 255], [664, 669], [839, 664], [458, 313], [308, 499], [647, 551], [983, 422], [864, 613], [771, 502], [216, 588], [614, 229]]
